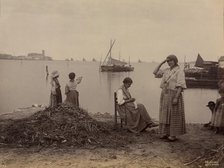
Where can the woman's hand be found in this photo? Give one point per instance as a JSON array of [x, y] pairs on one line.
[[53, 92], [130, 100], [175, 101], [163, 62], [157, 69], [79, 79]]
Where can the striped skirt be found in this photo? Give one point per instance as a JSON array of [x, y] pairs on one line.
[[72, 98], [55, 99], [171, 117], [219, 117]]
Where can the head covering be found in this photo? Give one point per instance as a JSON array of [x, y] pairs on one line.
[[71, 75], [127, 80], [173, 58], [210, 103], [54, 74]]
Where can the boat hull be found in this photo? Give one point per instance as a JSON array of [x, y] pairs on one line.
[[201, 83], [105, 68]]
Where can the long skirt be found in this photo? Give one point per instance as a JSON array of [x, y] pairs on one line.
[[137, 119], [171, 117], [213, 118], [55, 99], [219, 117], [72, 98]]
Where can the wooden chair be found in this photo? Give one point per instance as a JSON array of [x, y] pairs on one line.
[[123, 120]]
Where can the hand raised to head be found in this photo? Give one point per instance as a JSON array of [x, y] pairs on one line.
[[164, 61]]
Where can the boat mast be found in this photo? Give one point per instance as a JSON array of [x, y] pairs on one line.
[[109, 52], [119, 55], [101, 59]]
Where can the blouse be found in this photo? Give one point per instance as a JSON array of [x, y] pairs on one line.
[[121, 97], [71, 85], [172, 78]]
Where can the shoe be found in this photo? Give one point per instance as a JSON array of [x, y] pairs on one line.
[[171, 139], [217, 131], [164, 137], [153, 125], [211, 127], [133, 131], [206, 125]]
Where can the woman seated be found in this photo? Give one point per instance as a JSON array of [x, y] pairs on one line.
[[137, 117]]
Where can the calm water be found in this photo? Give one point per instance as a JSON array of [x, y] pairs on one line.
[[24, 83]]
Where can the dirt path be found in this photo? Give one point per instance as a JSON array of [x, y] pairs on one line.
[[146, 150]]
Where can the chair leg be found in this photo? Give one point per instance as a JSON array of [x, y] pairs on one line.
[[115, 110], [115, 119]]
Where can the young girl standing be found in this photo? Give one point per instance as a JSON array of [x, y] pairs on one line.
[[55, 97], [72, 95]]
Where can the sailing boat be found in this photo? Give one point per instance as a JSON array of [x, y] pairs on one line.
[[204, 74], [113, 65]]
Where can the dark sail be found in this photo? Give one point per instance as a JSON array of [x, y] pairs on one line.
[[199, 62]]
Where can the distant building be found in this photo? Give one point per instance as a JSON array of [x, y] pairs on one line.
[[22, 57], [30, 56], [6, 56], [38, 56]]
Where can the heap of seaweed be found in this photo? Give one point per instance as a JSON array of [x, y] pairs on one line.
[[61, 125]]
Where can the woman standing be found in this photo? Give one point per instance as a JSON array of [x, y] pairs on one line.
[[55, 97], [171, 116]]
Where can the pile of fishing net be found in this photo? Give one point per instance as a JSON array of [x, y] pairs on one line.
[[61, 125]]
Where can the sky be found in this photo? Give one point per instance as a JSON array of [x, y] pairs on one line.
[[148, 30]]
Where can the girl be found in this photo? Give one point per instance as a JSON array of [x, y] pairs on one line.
[[72, 95], [55, 97]]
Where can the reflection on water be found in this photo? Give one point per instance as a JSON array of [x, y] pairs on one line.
[[195, 104], [47, 82], [112, 81], [24, 83]]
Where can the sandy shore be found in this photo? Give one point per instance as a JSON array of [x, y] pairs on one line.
[[197, 148]]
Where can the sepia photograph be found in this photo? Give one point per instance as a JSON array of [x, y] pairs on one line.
[[112, 83]]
